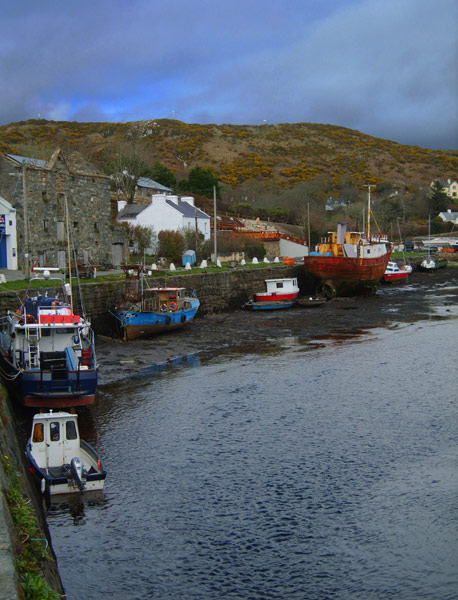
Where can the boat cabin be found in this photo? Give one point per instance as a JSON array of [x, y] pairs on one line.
[[283, 286], [164, 300], [55, 439]]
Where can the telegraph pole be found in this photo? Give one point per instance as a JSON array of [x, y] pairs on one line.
[[214, 223]]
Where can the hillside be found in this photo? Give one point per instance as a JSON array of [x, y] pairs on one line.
[[283, 154]]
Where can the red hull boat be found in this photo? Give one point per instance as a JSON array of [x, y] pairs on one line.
[[348, 263], [395, 273]]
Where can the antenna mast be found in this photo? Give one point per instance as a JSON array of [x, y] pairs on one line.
[[368, 229]]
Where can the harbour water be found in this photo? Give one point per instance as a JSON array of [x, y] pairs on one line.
[[319, 469]]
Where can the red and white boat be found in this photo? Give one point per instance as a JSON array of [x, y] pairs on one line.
[[395, 273], [278, 289]]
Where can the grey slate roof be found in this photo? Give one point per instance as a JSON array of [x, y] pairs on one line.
[[146, 182], [449, 216], [33, 162], [187, 210], [131, 210]]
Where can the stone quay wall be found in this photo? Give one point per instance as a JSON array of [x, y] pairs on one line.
[[217, 291]]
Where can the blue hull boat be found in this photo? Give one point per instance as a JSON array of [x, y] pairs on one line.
[[269, 305], [146, 311]]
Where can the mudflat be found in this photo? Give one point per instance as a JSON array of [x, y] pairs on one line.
[[242, 331]]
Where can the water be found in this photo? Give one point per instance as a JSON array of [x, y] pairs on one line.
[[324, 470]]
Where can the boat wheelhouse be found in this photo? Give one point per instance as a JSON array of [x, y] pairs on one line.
[[278, 289]]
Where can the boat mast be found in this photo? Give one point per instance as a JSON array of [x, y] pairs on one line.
[[368, 232], [67, 218], [26, 224]]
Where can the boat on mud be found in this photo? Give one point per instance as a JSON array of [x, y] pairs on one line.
[[145, 311], [269, 304], [58, 459], [311, 301], [348, 262], [430, 264], [278, 289], [395, 273], [47, 352]]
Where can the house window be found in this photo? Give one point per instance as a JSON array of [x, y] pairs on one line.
[[45, 224]]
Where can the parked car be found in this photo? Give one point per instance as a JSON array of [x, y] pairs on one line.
[[409, 246]]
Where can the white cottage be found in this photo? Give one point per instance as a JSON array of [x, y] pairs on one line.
[[8, 247], [166, 212]]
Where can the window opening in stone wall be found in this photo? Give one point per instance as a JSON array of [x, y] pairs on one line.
[[75, 224]]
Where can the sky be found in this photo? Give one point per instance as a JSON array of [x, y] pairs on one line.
[[387, 68]]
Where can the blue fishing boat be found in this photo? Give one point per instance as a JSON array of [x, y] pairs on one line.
[[269, 304], [145, 311], [47, 353]]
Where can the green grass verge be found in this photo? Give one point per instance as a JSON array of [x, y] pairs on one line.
[[32, 550]]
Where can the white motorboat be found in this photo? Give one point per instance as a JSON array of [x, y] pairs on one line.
[[61, 462]]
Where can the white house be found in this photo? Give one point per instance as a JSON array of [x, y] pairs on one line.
[[8, 247], [165, 212], [450, 216]]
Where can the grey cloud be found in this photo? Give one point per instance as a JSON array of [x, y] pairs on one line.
[[381, 66]]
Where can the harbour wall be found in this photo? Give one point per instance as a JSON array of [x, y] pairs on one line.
[[218, 291]]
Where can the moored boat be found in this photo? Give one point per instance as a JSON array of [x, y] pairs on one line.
[[395, 273], [58, 459], [47, 352], [145, 311], [278, 289], [311, 301], [432, 264], [349, 262], [269, 304]]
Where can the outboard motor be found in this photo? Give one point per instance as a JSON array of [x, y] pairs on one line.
[[76, 468]]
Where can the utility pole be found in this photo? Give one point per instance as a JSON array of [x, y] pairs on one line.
[[195, 217], [26, 225], [308, 225], [214, 223]]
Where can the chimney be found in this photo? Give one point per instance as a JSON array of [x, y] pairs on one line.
[[157, 198], [121, 205]]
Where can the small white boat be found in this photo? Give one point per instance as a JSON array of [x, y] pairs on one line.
[[60, 461]]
